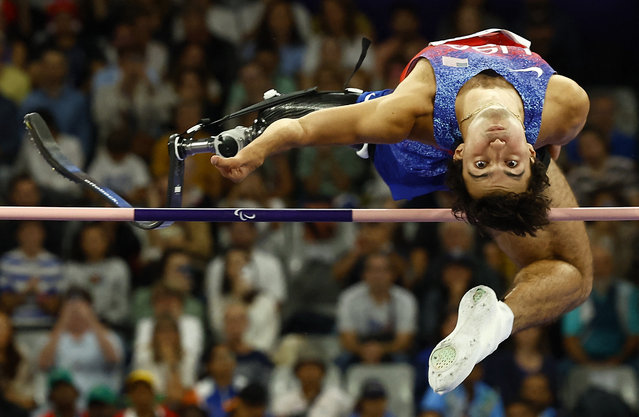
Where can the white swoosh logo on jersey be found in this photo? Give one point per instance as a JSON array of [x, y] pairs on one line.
[[538, 70], [369, 97]]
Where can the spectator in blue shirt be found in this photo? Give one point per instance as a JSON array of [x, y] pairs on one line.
[[68, 105], [605, 328], [31, 278], [473, 398], [217, 390]]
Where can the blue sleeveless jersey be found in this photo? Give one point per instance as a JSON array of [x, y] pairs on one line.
[[413, 168]]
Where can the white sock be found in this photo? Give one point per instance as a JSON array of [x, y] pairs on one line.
[[505, 318]]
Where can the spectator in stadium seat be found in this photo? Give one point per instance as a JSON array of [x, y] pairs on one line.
[[174, 368], [371, 238], [313, 397], [68, 105], [603, 117], [31, 278], [376, 319], [251, 401], [372, 401], [117, 167], [142, 395], [168, 301], [405, 35], [442, 294], [267, 273], [473, 397], [174, 270], [529, 355], [220, 55], [253, 365], [536, 389], [600, 170], [79, 343], [604, 330], [339, 20], [14, 81], [63, 394], [133, 101], [520, 408], [218, 388], [105, 277], [64, 30], [101, 402], [262, 308], [278, 29], [24, 191]]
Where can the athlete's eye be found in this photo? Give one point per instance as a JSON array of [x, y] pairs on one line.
[[481, 164], [512, 164]]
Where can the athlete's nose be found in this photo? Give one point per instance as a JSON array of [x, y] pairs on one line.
[[497, 142]]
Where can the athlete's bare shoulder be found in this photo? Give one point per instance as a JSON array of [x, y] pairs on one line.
[[566, 106], [420, 76], [418, 89]]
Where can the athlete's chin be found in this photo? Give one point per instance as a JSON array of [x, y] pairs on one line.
[[496, 128]]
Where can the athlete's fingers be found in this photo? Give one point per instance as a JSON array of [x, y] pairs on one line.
[[237, 174], [222, 162], [232, 170]]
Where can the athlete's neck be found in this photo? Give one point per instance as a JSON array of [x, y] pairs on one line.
[[470, 101]]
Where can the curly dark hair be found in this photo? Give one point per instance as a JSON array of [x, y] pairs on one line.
[[519, 213]]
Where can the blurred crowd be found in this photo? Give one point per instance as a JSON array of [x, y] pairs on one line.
[[284, 320]]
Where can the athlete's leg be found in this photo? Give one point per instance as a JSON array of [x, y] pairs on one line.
[[544, 290]]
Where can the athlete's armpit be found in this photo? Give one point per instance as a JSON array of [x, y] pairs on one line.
[[418, 88]]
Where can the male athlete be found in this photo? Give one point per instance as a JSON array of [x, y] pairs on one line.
[[477, 109]]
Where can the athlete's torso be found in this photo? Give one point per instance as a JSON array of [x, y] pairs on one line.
[[456, 61], [421, 168]]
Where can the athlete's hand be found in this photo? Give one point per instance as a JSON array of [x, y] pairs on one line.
[[239, 166]]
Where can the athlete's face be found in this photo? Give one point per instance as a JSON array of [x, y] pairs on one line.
[[495, 154]]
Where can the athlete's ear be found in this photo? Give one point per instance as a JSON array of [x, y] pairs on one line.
[[533, 154], [459, 152]]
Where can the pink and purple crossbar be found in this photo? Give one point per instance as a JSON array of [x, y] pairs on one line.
[[287, 215]]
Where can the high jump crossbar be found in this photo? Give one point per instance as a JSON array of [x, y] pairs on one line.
[[287, 214]]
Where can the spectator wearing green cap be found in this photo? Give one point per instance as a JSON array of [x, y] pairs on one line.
[[101, 402], [63, 394]]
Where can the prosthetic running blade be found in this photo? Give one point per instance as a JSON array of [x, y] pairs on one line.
[[180, 146], [48, 147]]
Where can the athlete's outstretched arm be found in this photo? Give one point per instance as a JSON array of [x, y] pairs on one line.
[[388, 119]]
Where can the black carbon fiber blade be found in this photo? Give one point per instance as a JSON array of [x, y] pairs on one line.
[[41, 136]]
